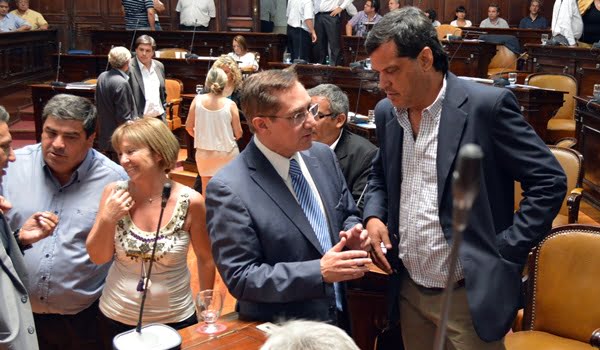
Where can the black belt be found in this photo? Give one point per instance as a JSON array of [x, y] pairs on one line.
[[435, 290]]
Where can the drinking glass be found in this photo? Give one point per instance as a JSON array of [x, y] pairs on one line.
[[199, 89], [597, 91], [544, 39], [209, 303], [371, 116], [512, 78], [368, 63], [287, 58]]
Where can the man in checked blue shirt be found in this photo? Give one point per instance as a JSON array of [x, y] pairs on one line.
[[63, 175]]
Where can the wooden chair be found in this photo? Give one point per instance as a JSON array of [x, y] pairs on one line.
[[572, 163], [504, 61], [563, 123], [445, 29], [91, 81], [174, 88], [171, 52], [562, 291]]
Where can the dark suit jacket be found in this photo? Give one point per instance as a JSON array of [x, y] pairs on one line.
[[496, 240], [263, 244], [355, 154], [137, 85], [115, 104], [16, 319]]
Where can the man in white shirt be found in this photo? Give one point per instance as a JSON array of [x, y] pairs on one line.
[[147, 79], [300, 28], [327, 26], [268, 11], [494, 20], [195, 14], [566, 21]]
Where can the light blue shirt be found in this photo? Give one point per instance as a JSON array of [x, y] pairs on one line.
[[62, 279], [12, 22]]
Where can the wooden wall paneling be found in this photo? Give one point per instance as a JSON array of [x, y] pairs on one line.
[[238, 15]]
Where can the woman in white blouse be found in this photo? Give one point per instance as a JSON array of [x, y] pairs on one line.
[[245, 59], [460, 20]]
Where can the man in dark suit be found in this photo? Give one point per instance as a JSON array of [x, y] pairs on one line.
[[275, 213], [114, 99], [427, 116], [17, 328], [147, 79], [354, 153]]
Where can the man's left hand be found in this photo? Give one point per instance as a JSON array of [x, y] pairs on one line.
[[40, 225], [336, 12], [357, 238]]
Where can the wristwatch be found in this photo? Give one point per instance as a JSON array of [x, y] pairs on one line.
[[22, 246]]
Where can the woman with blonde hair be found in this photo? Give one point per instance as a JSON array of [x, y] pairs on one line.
[[125, 229], [234, 75], [214, 122]]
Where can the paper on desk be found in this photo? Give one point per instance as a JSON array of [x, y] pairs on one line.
[[80, 86]]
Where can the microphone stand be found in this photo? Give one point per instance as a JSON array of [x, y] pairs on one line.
[[133, 36], [56, 82], [191, 55]]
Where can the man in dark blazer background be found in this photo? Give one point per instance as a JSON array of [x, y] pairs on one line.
[[17, 328], [353, 152], [147, 79], [279, 256], [427, 116]]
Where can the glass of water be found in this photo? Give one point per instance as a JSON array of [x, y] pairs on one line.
[[512, 78], [371, 116], [597, 92], [544, 39], [209, 304], [368, 63], [287, 58], [199, 89]]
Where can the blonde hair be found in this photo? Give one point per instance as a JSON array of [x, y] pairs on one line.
[[231, 64], [119, 56], [216, 79], [151, 133]]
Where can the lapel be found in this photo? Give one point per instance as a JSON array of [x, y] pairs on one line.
[[341, 150], [160, 74], [394, 137], [137, 74], [265, 177], [12, 264], [452, 124]]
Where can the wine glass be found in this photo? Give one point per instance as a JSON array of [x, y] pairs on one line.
[[512, 78], [544, 39], [209, 303]]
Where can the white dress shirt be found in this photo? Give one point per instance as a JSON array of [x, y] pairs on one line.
[[153, 107], [298, 11], [567, 21], [330, 5], [196, 12], [268, 10]]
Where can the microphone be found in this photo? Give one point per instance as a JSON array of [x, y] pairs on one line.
[[133, 36], [499, 81], [56, 82], [465, 188], [155, 336], [466, 32], [190, 54]]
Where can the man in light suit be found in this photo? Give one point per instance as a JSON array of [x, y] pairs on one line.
[[114, 99], [427, 116], [275, 214], [17, 328], [354, 153], [147, 79]]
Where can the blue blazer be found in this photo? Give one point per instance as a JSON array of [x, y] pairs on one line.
[[497, 239], [263, 244]]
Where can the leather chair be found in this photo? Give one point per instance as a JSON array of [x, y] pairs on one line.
[[445, 29], [174, 88], [563, 123], [91, 81], [572, 163], [504, 61], [171, 52], [562, 291]]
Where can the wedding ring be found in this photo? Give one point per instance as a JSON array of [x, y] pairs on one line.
[[128, 204]]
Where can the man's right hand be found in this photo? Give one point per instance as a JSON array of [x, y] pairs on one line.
[[338, 265], [378, 233]]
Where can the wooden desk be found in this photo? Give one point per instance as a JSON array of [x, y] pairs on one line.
[[269, 46], [525, 36], [239, 335], [190, 72], [25, 58], [582, 63], [587, 117], [467, 58]]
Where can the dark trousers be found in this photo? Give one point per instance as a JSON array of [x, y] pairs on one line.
[[69, 332], [328, 36], [298, 44], [111, 328], [266, 26]]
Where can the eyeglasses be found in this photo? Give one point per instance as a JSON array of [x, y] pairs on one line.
[[320, 115], [300, 117]]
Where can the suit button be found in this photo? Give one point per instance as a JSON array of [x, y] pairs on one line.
[[30, 330], [24, 299]]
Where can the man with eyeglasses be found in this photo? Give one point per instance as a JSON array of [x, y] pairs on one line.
[[354, 153], [281, 220]]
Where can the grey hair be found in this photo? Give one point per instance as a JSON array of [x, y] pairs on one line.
[[338, 101], [4, 116], [119, 56], [411, 31], [309, 335], [70, 107]]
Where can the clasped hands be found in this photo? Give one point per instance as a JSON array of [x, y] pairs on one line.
[[339, 265]]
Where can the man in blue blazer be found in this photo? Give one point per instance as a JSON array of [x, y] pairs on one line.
[[280, 256], [427, 116]]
